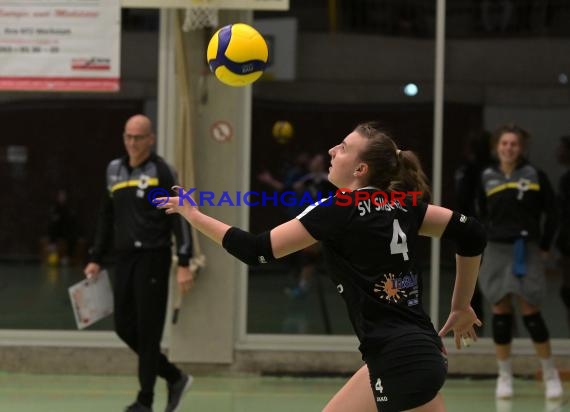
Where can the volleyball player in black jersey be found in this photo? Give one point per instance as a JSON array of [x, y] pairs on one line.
[[370, 250]]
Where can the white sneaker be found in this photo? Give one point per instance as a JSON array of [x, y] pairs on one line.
[[504, 386], [552, 386]]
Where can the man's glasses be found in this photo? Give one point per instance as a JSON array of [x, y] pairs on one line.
[[135, 137]]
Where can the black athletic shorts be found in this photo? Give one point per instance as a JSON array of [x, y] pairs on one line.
[[407, 372]]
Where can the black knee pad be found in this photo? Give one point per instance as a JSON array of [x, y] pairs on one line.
[[565, 295], [503, 329], [536, 327]]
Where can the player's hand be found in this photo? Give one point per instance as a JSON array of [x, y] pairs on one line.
[[185, 279], [461, 322], [183, 205], [92, 270]]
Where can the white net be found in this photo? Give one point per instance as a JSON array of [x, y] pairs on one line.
[[200, 17]]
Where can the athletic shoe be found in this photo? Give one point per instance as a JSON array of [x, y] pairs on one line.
[[552, 386], [504, 386], [176, 391], [138, 407]]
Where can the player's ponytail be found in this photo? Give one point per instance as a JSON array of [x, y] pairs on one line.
[[411, 175], [391, 169]]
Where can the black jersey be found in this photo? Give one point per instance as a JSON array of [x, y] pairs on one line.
[[513, 206], [129, 220], [370, 252]]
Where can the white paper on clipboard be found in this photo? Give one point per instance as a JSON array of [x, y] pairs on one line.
[[91, 300]]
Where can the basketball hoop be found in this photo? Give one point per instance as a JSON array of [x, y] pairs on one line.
[[200, 17]]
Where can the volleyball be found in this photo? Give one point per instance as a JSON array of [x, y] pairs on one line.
[[237, 54], [282, 131]]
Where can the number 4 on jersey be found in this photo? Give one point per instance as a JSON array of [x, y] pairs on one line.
[[399, 243]]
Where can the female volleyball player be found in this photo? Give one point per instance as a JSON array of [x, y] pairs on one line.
[[517, 198], [370, 249]]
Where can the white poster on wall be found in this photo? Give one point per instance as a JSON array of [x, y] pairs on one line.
[[60, 45]]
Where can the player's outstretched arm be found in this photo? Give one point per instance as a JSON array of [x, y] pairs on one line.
[[283, 240], [469, 237]]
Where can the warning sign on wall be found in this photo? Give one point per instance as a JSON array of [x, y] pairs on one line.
[[221, 131]]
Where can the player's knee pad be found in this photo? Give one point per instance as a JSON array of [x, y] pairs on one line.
[[536, 327], [565, 295], [503, 329]]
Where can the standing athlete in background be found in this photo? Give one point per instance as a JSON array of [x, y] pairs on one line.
[[517, 197]]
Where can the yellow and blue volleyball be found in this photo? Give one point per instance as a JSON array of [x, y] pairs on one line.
[[237, 54]]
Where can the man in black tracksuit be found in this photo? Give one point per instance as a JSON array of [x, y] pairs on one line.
[[141, 238]]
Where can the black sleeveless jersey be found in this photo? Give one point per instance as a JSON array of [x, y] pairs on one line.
[[370, 253]]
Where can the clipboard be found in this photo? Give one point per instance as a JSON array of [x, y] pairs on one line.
[[91, 300]]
